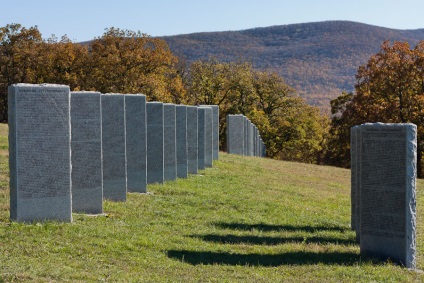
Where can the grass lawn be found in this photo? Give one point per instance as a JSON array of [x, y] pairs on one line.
[[244, 220]]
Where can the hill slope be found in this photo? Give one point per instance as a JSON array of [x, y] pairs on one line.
[[247, 219], [319, 59]]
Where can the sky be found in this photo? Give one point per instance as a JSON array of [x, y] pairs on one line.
[[83, 20]]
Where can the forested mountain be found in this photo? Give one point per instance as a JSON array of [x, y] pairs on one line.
[[319, 59]]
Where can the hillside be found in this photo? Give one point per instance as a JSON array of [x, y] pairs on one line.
[[247, 219], [319, 59]]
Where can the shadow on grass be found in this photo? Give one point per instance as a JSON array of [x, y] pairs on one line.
[[255, 240], [268, 227], [268, 260]]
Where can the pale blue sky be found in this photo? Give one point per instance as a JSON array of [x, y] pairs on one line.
[[83, 20]]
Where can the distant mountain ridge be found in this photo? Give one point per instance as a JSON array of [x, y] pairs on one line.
[[319, 59]]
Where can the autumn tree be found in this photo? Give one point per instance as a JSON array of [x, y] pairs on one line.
[[63, 62], [125, 61], [19, 59], [389, 89]]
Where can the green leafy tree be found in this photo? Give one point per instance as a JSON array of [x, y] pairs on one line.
[[291, 129]]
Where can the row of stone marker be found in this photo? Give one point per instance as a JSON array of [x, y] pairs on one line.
[[383, 190], [70, 150], [243, 137]]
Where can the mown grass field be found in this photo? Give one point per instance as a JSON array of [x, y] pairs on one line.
[[245, 220]]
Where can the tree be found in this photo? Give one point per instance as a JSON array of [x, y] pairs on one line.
[[124, 61], [291, 129], [390, 89], [19, 59], [63, 62]]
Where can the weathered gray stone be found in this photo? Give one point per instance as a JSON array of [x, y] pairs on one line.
[[245, 137], [192, 136], [235, 134], [258, 142], [255, 141], [181, 128], [40, 153], [113, 143], [201, 138], [208, 136], [155, 129], [250, 141], [263, 149], [354, 175], [86, 144], [215, 125], [136, 144], [388, 195], [215, 130], [169, 143]]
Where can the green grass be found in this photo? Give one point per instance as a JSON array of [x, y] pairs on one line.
[[245, 220]]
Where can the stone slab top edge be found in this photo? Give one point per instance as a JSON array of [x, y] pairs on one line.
[[135, 94], [85, 92], [39, 85], [379, 124]]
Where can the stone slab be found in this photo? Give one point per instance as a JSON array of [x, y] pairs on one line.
[[113, 143], [201, 138], [169, 143], [353, 175], [208, 136], [250, 141], [192, 136], [155, 129], [181, 132], [255, 141], [235, 134], [388, 192], [136, 143], [87, 158], [39, 153], [215, 131]]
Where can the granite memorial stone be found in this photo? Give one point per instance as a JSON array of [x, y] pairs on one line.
[[387, 192], [181, 132], [246, 136], [169, 143], [251, 139], [113, 143], [192, 136], [208, 136], [215, 125], [136, 143], [39, 153], [235, 134], [155, 130], [215, 130], [86, 145], [354, 175], [201, 138]]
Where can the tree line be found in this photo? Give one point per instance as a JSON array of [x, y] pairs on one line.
[[389, 88], [124, 61]]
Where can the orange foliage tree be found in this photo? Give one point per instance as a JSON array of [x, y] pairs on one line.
[[389, 89]]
